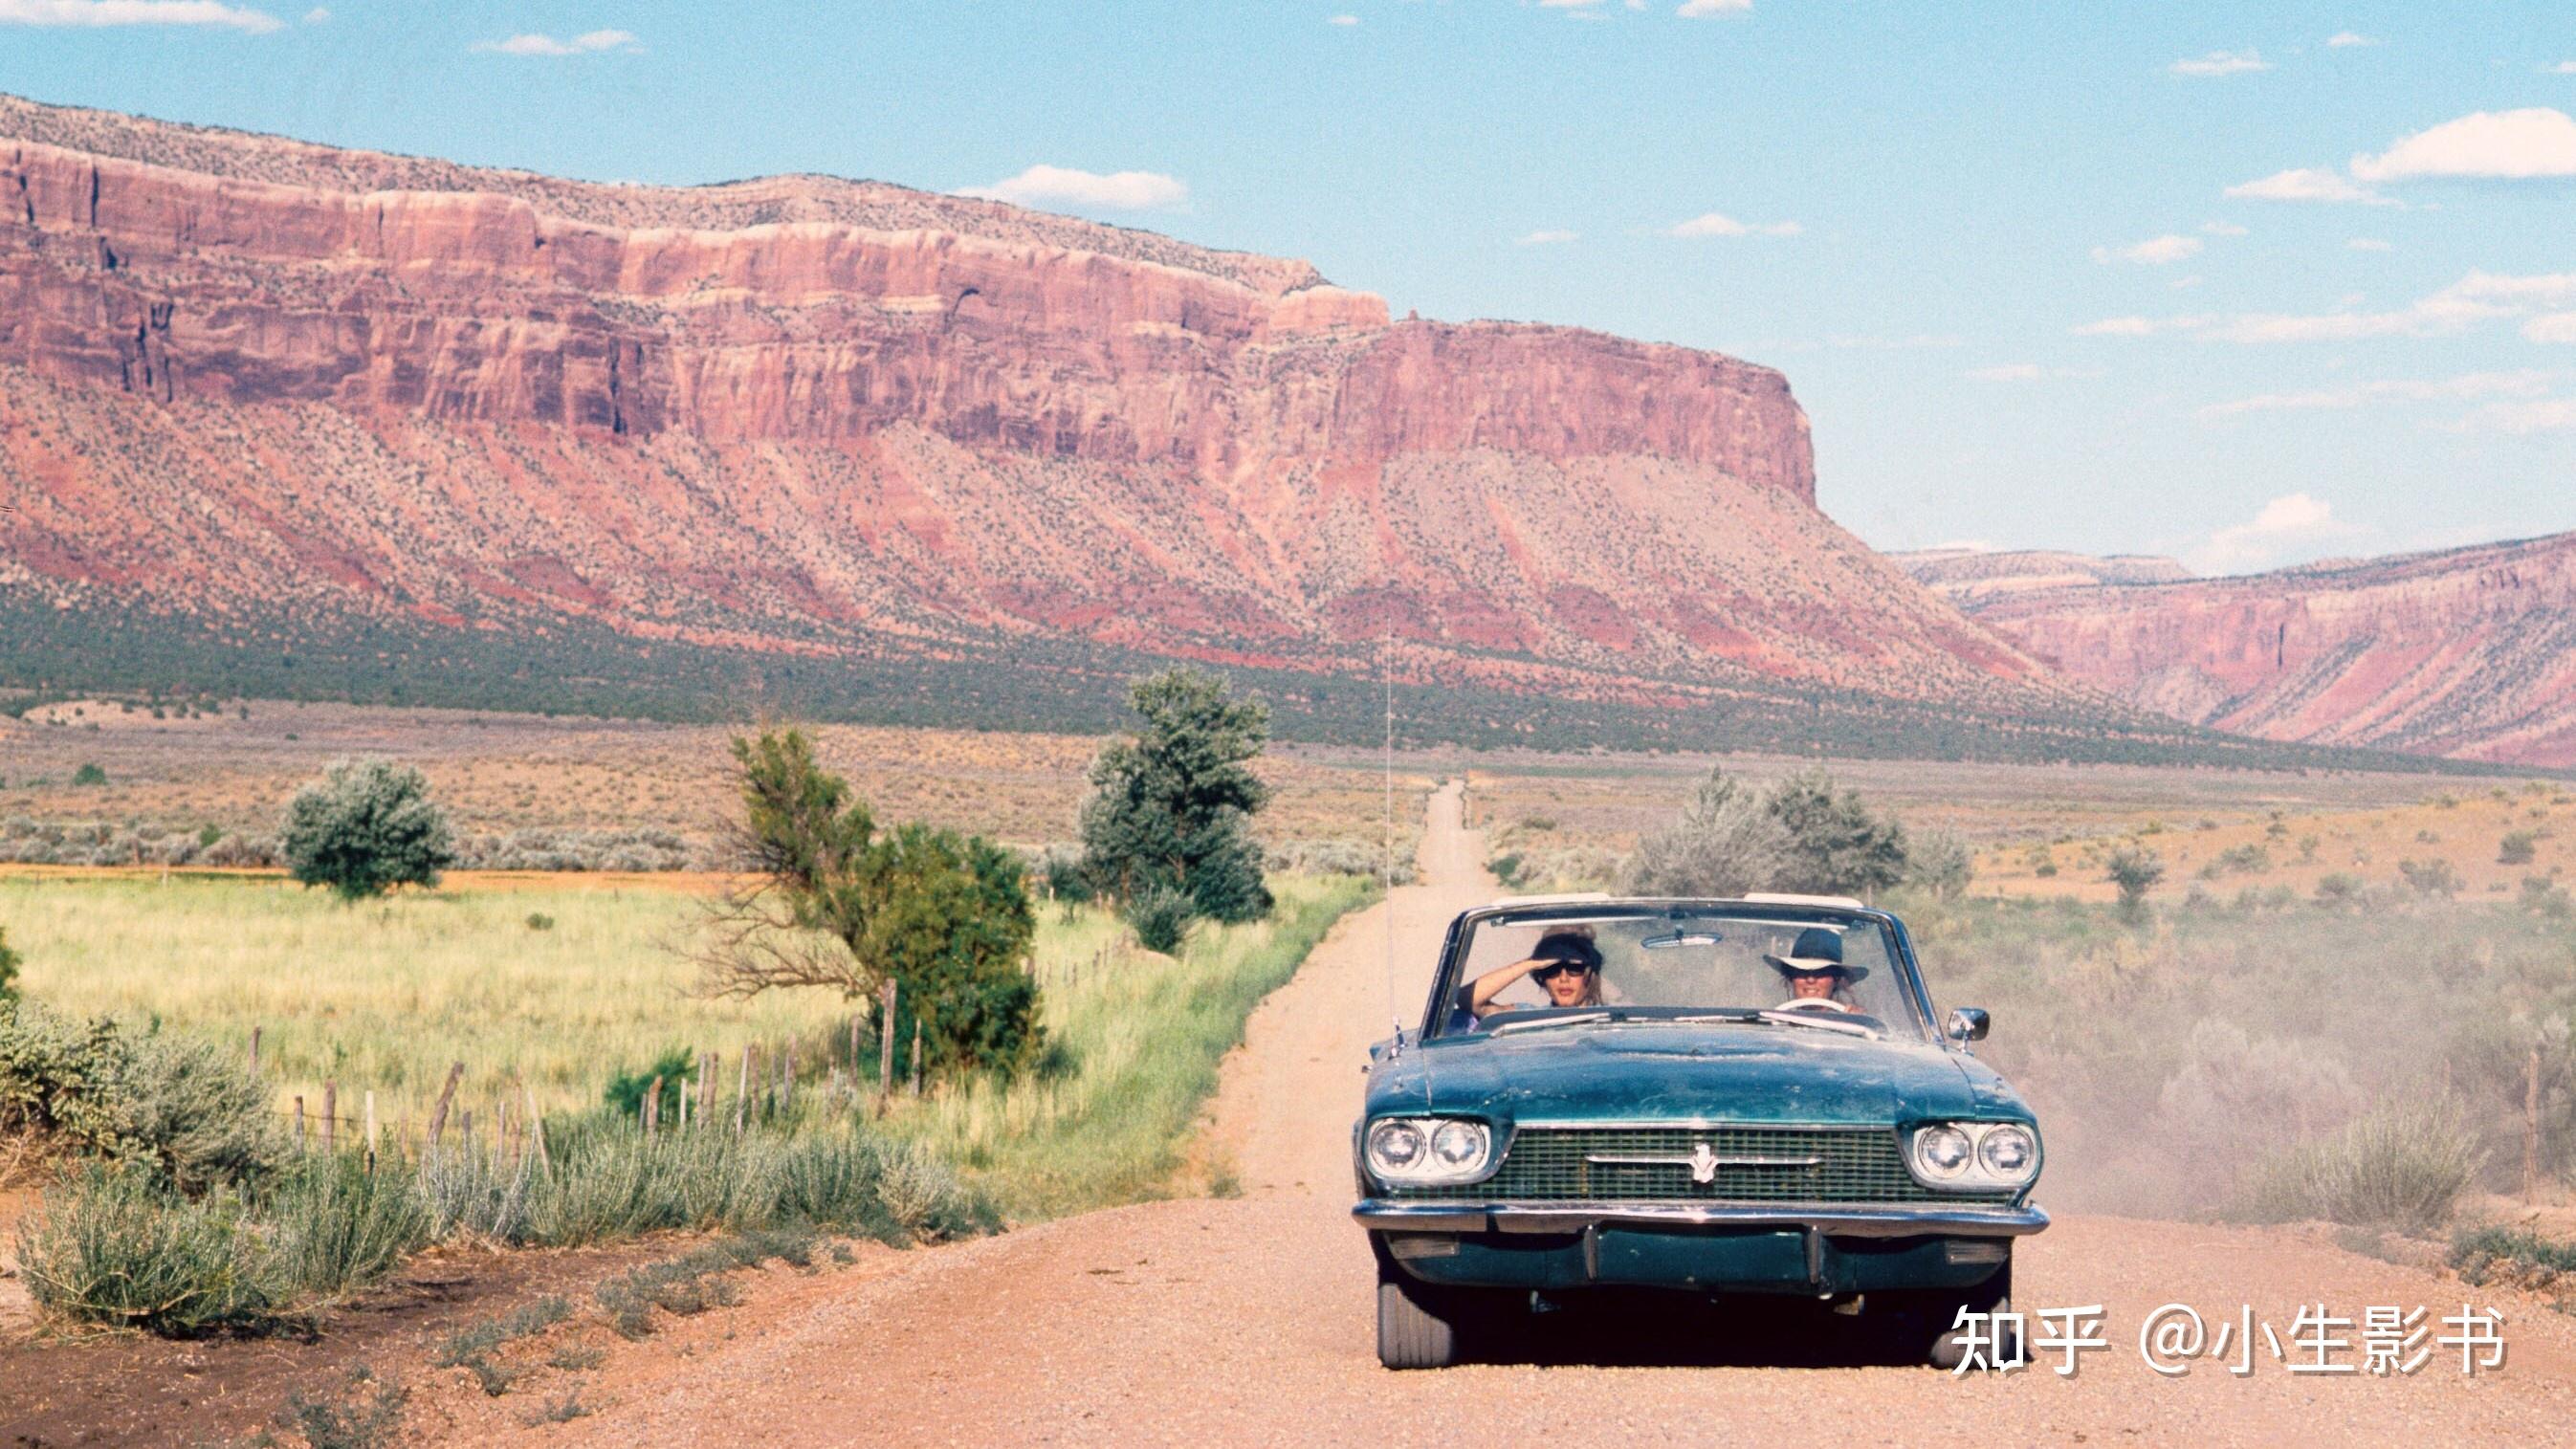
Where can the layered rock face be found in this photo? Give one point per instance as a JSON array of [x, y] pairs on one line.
[[2468, 652], [1969, 574], [782, 414]]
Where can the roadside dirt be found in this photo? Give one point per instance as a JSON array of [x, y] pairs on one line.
[[1250, 1320]]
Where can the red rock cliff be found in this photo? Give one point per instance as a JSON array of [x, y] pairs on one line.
[[237, 369]]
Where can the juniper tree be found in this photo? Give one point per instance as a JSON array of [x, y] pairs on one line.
[[366, 827], [1172, 804]]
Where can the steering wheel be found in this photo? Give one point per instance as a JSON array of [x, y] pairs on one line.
[[1813, 1003]]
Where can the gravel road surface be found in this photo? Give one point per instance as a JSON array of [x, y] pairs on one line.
[[1251, 1320]]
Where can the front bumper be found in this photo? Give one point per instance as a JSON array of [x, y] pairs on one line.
[[1820, 1250], [1840, 1220]]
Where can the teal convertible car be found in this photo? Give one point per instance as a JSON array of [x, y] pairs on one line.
[[1711, 1097]]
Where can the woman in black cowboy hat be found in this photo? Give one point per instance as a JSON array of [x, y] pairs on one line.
[[1818, 979]]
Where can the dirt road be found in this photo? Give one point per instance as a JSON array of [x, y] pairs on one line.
[[1251, 1320]]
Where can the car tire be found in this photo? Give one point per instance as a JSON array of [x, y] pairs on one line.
[[1419, 1326], [1949, 1347]]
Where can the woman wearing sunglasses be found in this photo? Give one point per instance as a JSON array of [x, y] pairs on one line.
[[1566, 965]]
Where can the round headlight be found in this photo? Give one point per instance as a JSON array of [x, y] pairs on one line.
[[1396, 1147], [1944, 1151], [1457, 1144], [2007, 1151]]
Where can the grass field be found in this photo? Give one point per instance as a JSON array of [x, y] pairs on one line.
[[384, 996]]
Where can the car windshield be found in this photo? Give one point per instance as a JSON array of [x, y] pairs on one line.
[[1669, 963]]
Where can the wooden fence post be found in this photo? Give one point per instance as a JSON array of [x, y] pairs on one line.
[[706, 1085], [438, 1113], [501, 1129], [685, 1092], [742, 1094], [854, 1046], [2531, 1131], [652, 1105], [786, 1076], [254, 1051], [371, 1131], [916, 1056], [465, 1130], [299, 1121], [537, 1131], [330, 1116], [885, 1041]]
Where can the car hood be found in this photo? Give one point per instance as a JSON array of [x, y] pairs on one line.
[[1666, 1072]]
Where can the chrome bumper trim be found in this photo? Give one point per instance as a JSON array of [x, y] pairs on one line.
[[1838, 1220]]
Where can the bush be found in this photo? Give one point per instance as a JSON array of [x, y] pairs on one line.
[[8, 968], [366, 827], [2546, 898], [2430, 878], [335, 1226], [2401, 1166], [1161, 917], [2134, 870], [1726, 842], [2518, 848], [89, 776], [1835, 844], [1943, 863], [2338, 889], [1171, 805], [113, 1244], [625, 1094], [185, 1108]]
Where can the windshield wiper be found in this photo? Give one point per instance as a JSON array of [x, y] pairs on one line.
[[1816, 1019], [1578, 1019]]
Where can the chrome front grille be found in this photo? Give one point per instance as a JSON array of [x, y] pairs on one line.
[[1699, 1164]]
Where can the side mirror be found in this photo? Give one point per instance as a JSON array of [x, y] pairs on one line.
[[1967, 1023]]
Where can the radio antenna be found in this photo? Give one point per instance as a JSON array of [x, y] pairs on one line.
[[1386, 679]]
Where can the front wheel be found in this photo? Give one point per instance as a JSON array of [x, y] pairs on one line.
[[1427, 1325]]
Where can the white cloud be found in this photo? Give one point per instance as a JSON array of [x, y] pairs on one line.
[[1695, 9], [1918, 342], [2550, 415], [590, 42], [2008, 372], [2527, 382], [2153, 252], [2512, 145], [2222, 62], [97, 13], [2288, 524], [1719, 224], [1343, 20], [2345, 40], [2564, 67], [2138, 326], [318, 15], [1545, 238], [2551, 327], [2368, 244], [1064, 186], [2222, 228], [1567, 4], [2307, 184]]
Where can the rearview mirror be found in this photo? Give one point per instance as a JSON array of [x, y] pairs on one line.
[[1967, 1023]]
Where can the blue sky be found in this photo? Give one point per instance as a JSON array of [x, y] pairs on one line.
[[1993, 246]]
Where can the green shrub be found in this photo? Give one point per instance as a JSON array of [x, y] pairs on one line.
[[112, 1244], [1941, 862], [626, 1090], [2430, 878], [1726, 842], [2487, 1254], [89, 776], [2518, 848], [334, 1226], [1171, 804], [8, 969], [356, 1419], [1834, 843], [1161, 917], [2546, 898], [2133, 870], [2400, 1166], [366, 827], [2337, 888], [186, 1107]]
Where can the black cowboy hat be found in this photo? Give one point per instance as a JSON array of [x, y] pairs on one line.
[[1817, 950]]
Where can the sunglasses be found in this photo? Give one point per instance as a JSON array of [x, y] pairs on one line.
[[1558, 968]]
